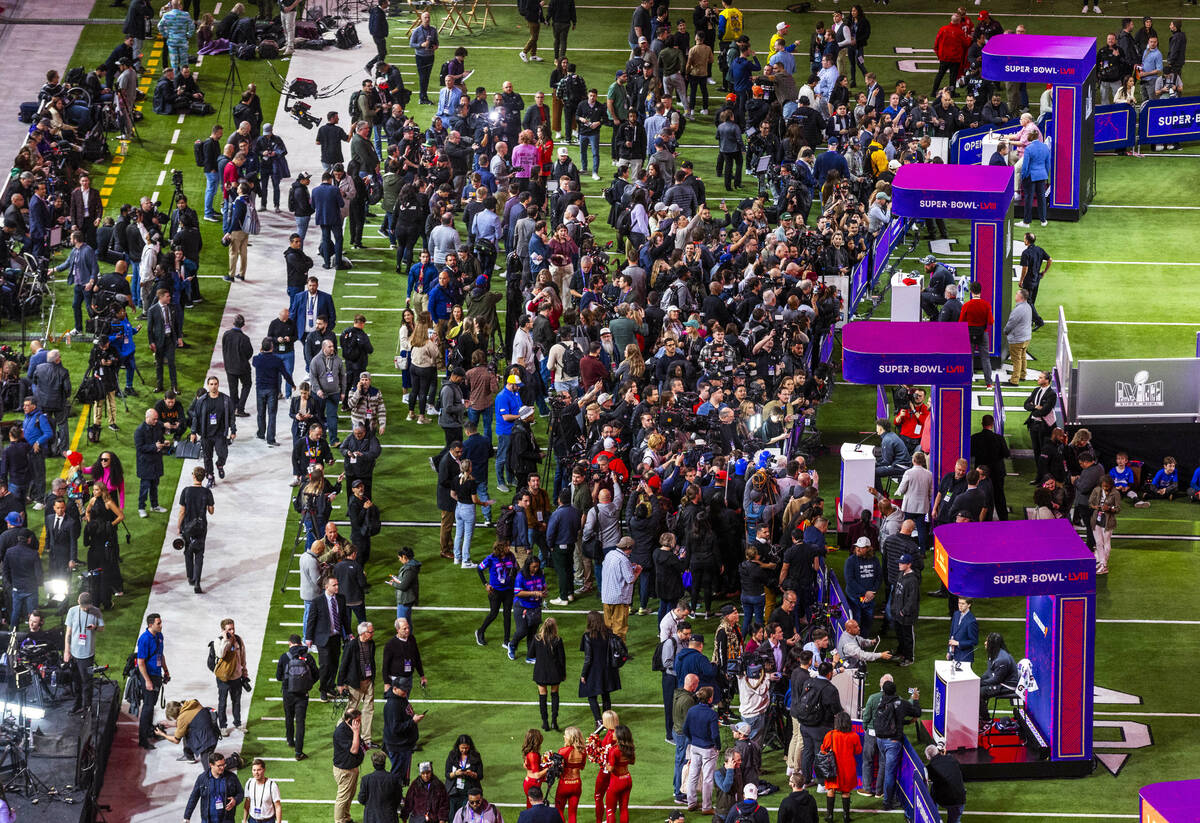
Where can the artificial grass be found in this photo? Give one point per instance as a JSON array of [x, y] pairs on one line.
[[1148, 578]]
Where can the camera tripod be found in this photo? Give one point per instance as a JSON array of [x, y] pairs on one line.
[[301, 533], [232, 80]]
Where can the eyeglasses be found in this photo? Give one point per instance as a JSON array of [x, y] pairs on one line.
[[105, 460]]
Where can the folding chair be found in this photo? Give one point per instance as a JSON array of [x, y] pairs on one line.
[[481, 18], [455, 17]]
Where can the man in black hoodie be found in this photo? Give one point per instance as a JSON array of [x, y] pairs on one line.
[[296, 673], [400, 730]]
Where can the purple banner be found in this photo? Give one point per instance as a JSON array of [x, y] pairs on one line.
[[952, 192], [966, 146], [1039, 58], [1115, 127], [888, 239], [1170, 120], [875, 352], [1014, 558]]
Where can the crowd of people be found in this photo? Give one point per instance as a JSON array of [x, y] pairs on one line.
[[644, 412]]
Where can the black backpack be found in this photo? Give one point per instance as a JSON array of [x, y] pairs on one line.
[[656, 662], [885, 722], [298, 674], [505, 525], [617, 651], [353, 108], [351, 349], [570, 360], [624, 222], [443, 71], [809, 711], [212, 656], [744, 815], [346, 37], [198, 152]]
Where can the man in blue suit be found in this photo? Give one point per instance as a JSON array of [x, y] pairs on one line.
[[964, 633], [41, 218], [327, 206], [310, 304]]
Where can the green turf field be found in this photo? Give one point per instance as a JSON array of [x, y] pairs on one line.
[[1115, 275]]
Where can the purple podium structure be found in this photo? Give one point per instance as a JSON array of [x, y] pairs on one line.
[[933, 354], [981, 194], [1047, 563], [1175, 801], [1068, 64]]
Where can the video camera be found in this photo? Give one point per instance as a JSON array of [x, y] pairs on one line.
[[301, 112]]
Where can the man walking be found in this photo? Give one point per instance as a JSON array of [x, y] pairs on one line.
[[1018, 330], [703, 733], [195, 505], [616, 586], [1040, 405], [39, 434], [214, 424], [328, 373], [1035, 264], [327, 203], [903, 608], [991, 450], [977, 314], [230, 651], [296, 673], [377, 27], [215, 793], [237, 351]]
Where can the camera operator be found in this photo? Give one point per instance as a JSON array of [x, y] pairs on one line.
[[912, 416]]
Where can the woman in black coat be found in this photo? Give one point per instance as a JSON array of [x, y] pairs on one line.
[[669, 567], [549, 669], [599, 678], [644, 514]]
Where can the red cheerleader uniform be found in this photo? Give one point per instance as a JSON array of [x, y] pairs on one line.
[[609, 739], [620, 784], [570, 784], [533, 763]]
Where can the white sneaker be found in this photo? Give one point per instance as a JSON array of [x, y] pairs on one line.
[[536, 59], [595, 176], [525, 57], [558, 601], [158, 509], [712, 82], [1084, 9], [1022, 224], [37, 507], [142, 513], [467, 564], [704, 111], [558, 135], [1096, 9], [1044, 223]]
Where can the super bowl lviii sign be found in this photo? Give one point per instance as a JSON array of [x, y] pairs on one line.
[[1068, 65]]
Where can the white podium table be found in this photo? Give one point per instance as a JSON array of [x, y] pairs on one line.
[[955, 705], [858, 475], [906, 299]]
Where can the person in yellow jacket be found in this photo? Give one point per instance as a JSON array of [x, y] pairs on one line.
[[878, 157], [730, 23]]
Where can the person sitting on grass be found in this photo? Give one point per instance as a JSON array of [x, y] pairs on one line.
[[1122, 475], [1194, 487], [1164, 485]]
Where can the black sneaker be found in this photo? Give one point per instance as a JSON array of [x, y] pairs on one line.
[[221, 472], [113, 427], [301, 756]]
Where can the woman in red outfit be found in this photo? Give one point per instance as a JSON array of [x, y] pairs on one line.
[[533, 763], [620, 782], [602, 743], [570, 783], [845, 745]]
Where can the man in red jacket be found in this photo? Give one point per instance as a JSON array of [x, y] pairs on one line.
[[950, 46], [977, 314]]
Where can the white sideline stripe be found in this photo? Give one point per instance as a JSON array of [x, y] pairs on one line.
[[362, 284], [167, 159], [1156, 208], [175, 137], [162, 175], [361, 296]]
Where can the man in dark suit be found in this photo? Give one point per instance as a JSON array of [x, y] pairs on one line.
[[991, 449], [1040, 405], [164, 336], [62, 537], [326, 629], [41, 220], [237, 350], [86, 210], [310, 304], [149, 441], [327, 206]]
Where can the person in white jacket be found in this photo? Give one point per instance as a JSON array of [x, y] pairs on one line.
[[916, 491]]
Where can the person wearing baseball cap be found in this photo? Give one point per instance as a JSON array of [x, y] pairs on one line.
[[864, 582], [746, 809], [507, 407], [904, 608]]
